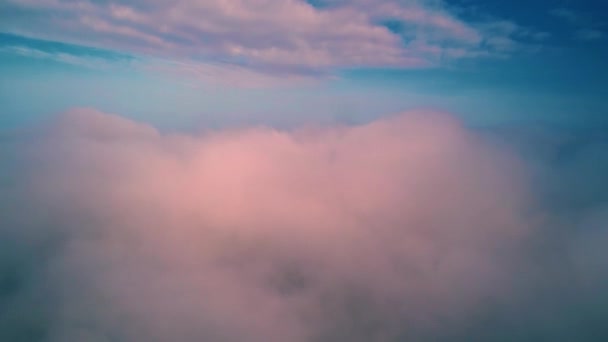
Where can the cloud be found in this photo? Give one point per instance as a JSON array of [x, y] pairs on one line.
[[228, 74], [277, 36], [587, 29], [589, 34], [190, 73], [566, 14], [80, 60], [407, 228]]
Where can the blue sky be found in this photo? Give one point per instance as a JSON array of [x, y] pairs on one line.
[[487, 61]]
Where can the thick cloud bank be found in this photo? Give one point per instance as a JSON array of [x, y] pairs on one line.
[[411, 228]]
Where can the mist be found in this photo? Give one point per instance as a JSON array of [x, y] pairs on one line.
[[412, 227]]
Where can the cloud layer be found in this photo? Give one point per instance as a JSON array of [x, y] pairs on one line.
[[407, 228], [277, 36]]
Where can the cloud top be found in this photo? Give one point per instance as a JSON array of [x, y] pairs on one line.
[[411, 227]]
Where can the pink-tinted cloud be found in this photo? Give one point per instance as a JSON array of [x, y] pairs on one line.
[[278, 36], [262, 235], [411, 227]]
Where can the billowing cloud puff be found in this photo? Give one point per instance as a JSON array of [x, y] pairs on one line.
[[276, 36], [408, 228]]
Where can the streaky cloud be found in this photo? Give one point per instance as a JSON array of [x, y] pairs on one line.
[[273, 37]]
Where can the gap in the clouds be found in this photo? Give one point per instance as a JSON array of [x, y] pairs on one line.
[[395, 26], [39, 48], [318, 3]]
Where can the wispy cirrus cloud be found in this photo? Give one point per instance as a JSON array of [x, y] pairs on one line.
[[80, 56], [88, 61], [566, 14], [188, 72], [586, 28], [273, 36], [589, 34]]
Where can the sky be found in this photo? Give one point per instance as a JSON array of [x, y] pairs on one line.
[[221, 63], [303, 170]]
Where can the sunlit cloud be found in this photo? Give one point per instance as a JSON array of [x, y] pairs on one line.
[[410, 227], [279, 36]]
